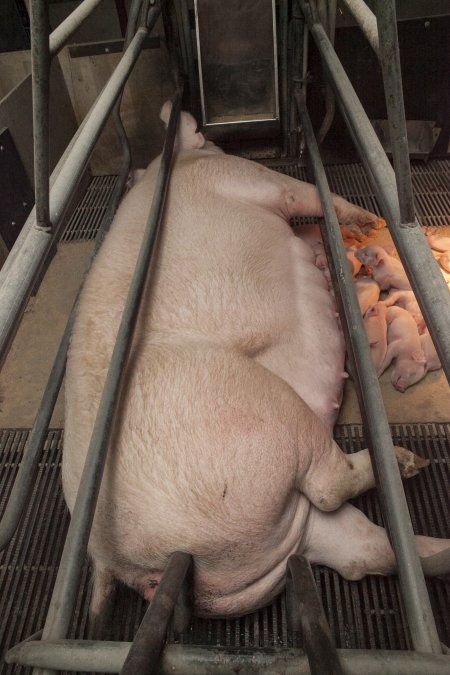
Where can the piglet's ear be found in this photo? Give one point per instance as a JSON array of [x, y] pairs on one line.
[[165, 112], [378, 259], [419, 356]]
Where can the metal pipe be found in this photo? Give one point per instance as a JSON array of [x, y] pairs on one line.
[[21, 275], [145, 653], [423, 272], [66, 585], [366, 20], [307, 618], [284, 100], [40, 70], [31, 220], [412, 583], [109, 657], [393, 91], [330, 103], [119, 187], [26, 475], [62, 33]]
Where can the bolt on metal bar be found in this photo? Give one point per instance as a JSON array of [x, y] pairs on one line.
[[393, 90], [366, 20], [62, 33], [182, 659], [145, 653], [306, 618], [423, 272], [40, 70], [67, 582], [22, 273], [412, 583]]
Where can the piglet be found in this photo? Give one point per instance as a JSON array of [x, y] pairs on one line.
[[405, 347], [376, 329], [436, 242], [387, 271], [433, 362], [444, 261], [355, 264], [407, 300], [368, 293]]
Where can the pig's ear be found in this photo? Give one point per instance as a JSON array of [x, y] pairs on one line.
[[165, 112], [378, 259], [419, 356]]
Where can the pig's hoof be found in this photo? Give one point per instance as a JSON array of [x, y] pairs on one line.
[[375, 224], [409, 463]]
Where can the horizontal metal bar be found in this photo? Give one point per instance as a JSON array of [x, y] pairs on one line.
[[67, 581], [109, 657], [145, 653], [108, 47], [396, 514], [30, 249], [62, 33], [423, 272], [366, 20]]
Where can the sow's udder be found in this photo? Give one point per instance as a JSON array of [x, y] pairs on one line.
[[212, 434]]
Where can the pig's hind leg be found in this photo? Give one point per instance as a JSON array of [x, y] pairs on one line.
[[334, 477], [351, 544], [104, 586]]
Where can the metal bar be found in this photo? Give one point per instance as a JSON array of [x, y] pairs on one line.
[[66, 585], [109, 657], [307, 618], [145, 653], [393, 90], [423, 272], [414, 593], [26, 475], [40, 69], [366, 20], [185, 32], [62, 33], [330, 103], [119, 187], [284, 100], [29, 256]]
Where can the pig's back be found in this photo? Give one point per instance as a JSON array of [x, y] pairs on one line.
[[232, 272]]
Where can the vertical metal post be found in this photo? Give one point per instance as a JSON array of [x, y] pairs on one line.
[[145, 653], [307, 618], [392, 79], [40, 69], [67, 582], [422, 270], [395, 509]]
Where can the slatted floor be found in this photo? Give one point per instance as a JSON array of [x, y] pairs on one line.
[[431, 182], [363, 614]]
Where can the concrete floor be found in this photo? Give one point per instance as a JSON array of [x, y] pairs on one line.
[[24, 375]]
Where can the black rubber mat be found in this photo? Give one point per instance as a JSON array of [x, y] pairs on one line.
[[363, 614]]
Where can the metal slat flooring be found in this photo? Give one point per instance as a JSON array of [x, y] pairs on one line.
[[364, 614]]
